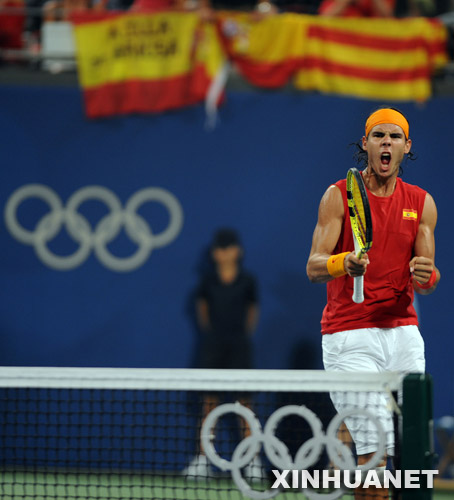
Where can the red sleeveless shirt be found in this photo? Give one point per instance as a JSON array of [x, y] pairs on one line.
[[388, 290]]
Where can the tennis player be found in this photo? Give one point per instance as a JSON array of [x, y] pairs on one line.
[[380, 334]]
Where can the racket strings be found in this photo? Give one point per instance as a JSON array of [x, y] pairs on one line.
[[360, 227], [358, 209]]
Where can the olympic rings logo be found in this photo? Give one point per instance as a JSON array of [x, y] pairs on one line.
[[277, 452], [105, 231]]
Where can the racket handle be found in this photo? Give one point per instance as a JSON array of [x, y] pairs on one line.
[[358, 289]]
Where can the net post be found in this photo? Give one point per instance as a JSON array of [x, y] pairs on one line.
[[417, 450]]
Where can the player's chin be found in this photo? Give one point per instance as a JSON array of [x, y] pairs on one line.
[[382, 169], [387, 169]]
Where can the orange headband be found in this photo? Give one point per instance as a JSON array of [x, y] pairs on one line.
[[387, 115]]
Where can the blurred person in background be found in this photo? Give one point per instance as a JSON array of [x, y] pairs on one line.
[[61, 10], [203, 7], [227, 314], [421, 8], [12, 21], [357, 8]]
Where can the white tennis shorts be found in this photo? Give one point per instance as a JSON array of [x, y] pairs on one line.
[[399, 349]]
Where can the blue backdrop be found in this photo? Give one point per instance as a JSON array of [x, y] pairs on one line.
[[263, 170]]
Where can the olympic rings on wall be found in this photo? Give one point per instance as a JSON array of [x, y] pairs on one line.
[[105, 231], [277, 452]]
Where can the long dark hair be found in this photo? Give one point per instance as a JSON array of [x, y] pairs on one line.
[[360, 156]]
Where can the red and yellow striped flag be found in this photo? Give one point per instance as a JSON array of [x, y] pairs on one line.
[[147, 62], [387, 59]]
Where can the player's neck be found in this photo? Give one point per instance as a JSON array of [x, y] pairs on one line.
[[379, 186], [228, 271]]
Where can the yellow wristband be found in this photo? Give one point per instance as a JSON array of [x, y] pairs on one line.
[[335, 265]]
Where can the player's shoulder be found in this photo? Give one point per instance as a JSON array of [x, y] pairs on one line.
[[341, 184], [333, 201], [336, 187], [335, 192]]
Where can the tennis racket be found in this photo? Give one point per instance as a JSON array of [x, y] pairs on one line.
[[361, 222]]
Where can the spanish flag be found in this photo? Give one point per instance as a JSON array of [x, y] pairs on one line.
[[267, 53], [409, 214], [384, 59], [147, 62]]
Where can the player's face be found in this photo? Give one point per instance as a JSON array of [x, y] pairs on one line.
[[386, 146]]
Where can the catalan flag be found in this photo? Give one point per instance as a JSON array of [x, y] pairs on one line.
[[385, 59], [147, 62]]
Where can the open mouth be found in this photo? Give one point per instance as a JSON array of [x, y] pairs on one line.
[[385, 158]]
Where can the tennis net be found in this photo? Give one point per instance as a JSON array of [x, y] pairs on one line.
[[108, 434]]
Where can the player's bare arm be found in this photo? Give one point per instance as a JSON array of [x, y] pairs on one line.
[[325, 237], [423, 263]]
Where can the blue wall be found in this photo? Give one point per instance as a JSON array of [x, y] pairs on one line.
[[262, 170]]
